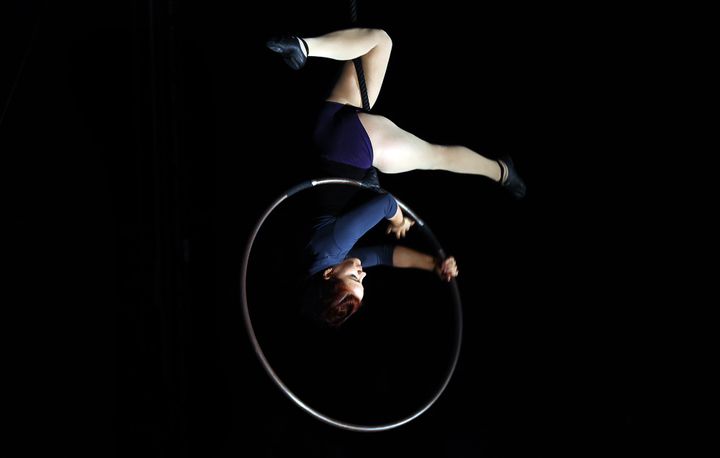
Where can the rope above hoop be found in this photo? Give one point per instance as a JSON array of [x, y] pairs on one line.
[[358, 63]]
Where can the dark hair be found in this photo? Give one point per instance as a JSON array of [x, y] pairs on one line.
[[328, 303]]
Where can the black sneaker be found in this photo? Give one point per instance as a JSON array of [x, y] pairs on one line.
[[510, 179], [289, 47]]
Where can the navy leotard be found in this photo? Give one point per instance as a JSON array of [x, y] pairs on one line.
[[341, 137]]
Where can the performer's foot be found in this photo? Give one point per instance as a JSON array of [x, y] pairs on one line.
[[293, 49], [509, 178]]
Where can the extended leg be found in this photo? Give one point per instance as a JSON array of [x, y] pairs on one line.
[[396, 151]]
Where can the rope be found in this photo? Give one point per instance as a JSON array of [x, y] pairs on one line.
[[353, 11], [19, 73], [358, 63]]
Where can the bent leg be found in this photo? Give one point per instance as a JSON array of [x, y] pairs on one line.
[[396, 150], [374, 45]]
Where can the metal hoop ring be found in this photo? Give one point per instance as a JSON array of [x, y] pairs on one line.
[[261, 355]]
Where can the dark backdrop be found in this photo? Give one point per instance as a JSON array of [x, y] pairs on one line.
[[144, 139]]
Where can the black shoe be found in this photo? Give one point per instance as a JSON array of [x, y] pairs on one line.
[[510, 179], [289, 47]]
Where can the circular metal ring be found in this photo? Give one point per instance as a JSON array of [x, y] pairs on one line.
[[261, 356]]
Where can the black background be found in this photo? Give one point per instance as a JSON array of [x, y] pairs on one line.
[[143, 140]]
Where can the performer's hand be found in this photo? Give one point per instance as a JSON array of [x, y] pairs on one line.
[[401, 229], [447, 269]]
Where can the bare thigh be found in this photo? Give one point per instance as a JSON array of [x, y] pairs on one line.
[[396, 150], [375, 62]]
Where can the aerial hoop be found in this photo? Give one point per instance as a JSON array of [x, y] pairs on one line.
[[261, 356]]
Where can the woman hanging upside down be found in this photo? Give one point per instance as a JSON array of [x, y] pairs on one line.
[[352, 139], [334, 264]]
